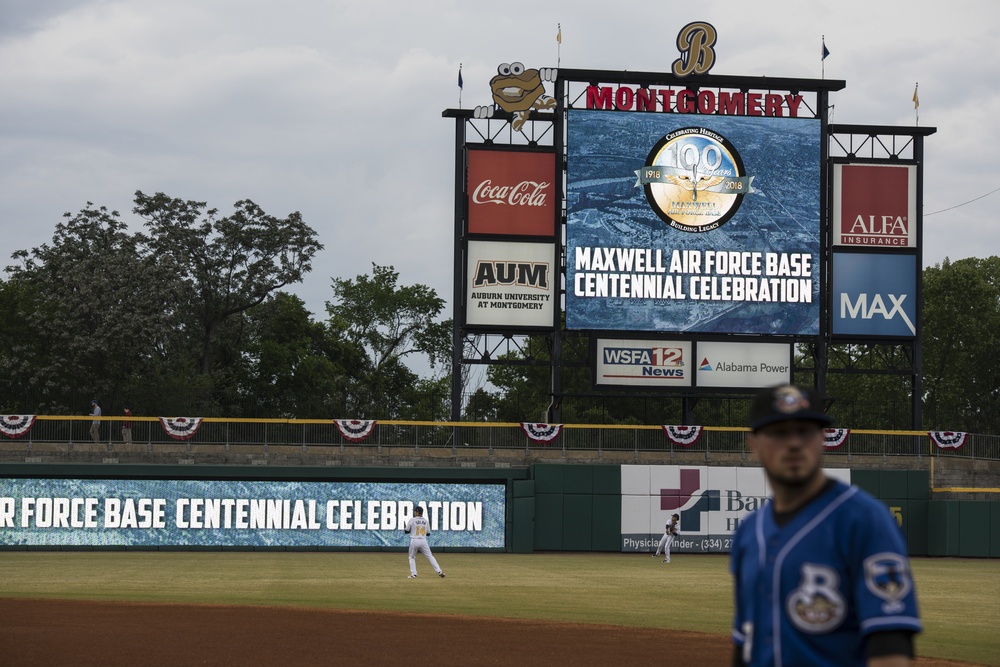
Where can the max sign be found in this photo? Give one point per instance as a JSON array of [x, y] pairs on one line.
[[874, 295]]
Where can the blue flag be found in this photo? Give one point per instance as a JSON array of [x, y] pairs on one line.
[[460, 76], [826, 51]]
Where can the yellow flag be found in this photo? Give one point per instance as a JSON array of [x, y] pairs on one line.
[[559, 34], [916, 100]]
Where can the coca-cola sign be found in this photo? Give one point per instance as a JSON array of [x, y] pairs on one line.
[[511, 192], [525, 193]]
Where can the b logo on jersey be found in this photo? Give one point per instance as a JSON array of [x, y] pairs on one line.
[[816, 606], [888, 576]]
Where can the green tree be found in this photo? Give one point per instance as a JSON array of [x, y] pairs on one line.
[[97, 310], [961, 328], [393, 324], [294, 366], [227, 264]]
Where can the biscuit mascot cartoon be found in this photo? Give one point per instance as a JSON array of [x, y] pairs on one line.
[[519, 91]]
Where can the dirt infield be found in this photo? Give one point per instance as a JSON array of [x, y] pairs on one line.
[[109, 634]]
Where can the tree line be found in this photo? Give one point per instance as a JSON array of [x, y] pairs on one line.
[[190, 317]]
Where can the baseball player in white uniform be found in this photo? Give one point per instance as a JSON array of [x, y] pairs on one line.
[[669, 531], [418, 529]]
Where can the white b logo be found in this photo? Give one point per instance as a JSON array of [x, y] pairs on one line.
[[817, 605]]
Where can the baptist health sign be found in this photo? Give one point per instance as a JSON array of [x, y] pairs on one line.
[[711, 501]]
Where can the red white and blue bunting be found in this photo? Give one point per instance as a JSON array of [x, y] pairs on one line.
[[181, 428], [948, 439], [541, 433], [685, 436], [355, 430], [835, 437], [14, 426]]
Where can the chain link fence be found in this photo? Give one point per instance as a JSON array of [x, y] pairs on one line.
[[70, 432]]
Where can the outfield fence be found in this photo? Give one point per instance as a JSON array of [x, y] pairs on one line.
[[225, 434]]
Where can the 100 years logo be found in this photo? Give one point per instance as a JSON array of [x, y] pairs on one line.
[[694, 179]]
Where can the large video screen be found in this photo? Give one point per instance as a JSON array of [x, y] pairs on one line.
[[692, 223], [150, 513]]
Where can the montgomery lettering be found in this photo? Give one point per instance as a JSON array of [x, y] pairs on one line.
[[666, 100]]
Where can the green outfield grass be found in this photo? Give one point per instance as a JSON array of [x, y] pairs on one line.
[[960, 598]]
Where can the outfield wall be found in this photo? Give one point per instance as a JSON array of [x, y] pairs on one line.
[[542, 507], [576, 504]]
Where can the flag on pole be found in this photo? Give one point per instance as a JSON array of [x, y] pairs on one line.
[[460, 75], [826, 51], [916, 99], [559, 34]]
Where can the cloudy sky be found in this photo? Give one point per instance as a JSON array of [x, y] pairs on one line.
[[333, 107]]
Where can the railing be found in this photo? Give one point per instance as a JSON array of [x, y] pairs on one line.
[[71, 432]]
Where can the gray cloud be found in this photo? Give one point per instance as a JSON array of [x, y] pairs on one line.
[[333, 108]]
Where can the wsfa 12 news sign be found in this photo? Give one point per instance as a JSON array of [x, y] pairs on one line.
[[643, 363]]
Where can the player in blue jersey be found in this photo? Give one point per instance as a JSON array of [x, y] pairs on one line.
[[821, 571]]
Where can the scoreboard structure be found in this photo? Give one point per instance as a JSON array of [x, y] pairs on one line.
[[707, 235]]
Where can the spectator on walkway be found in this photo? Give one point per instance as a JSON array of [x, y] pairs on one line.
[[95, 426], [127, 427]]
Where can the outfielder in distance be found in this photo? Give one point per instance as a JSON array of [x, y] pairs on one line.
[[669, 531], [418, 529], [821, 572]]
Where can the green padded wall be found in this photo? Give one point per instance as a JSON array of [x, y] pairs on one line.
[[900, 509], [608, 479], [892, 484], [607, 535], [578, 522], [918, 484], [942, 536], [548, 522], [917, 533], [995, 529], [578, 479], [523, 530], [548, 478], [867, 480], [974, 528], [524, 488]]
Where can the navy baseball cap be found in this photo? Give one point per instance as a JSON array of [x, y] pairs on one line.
[[787, 402]]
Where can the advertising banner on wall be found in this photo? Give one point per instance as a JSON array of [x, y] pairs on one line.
[[511, 192], [130, 512], [693, 223], [875, 205], [744, 365], [511, 284], [711, 502], [643, 363], [874, 294]]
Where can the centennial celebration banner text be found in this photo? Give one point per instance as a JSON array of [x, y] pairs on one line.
[[129, 512]]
